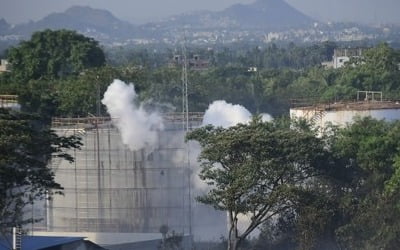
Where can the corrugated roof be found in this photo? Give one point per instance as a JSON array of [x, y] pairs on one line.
[[38, 242]]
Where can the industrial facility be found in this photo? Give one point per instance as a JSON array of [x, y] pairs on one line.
[[340, 113], [110, 189]]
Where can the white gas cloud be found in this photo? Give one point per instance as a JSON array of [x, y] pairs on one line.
[[137, 126], [223, 114]]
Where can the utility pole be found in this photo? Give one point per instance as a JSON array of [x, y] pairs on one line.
[[98, 104], [99, 168], [185, 116]]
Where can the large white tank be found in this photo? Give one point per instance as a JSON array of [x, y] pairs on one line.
[[111, 189], [343, 113]]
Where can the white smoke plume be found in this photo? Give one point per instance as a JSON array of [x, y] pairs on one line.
[[266, 117], [136, 125], [221, 113]]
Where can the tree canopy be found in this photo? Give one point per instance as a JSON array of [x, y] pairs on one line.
[[257, 169], [54, 54], [337, 190], [26, 148], [371, 203]]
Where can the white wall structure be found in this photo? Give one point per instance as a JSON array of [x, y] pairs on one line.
[[112, 189], [4, 66], [343, 113], [341, 56], [339, 61]]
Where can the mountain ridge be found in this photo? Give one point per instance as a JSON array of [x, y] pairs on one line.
[[84, 19], [268, 15]]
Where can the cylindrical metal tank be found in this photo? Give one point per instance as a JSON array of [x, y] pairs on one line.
[[110, 188], [343, 113]]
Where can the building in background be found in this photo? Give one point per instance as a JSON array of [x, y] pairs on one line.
[[4, 66], [341, 56]]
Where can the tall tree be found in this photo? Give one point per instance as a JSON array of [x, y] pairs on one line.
[[371, 148], [54, 54], [256, 169], [26, 148]]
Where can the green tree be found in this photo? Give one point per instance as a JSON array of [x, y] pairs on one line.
[[26, 148], [80, 95], [370, 148], [54, 54], [256, 169]]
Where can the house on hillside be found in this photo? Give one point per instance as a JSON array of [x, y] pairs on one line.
[[4, 66], [341, 56]]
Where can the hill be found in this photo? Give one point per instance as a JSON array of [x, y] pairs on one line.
[[100, 24], [267, 15]]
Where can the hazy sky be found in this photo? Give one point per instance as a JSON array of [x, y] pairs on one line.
[[367, 11]]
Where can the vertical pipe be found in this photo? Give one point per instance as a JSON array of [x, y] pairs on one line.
[[32, 216], [14, 236], [46, 208], [109, 173], [76, 186], [98, 106], [99, 182]]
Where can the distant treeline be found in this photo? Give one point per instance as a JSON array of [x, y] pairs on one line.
[[69, 80], [62, 73]]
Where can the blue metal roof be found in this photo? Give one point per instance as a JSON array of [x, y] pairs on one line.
[[38, 242]]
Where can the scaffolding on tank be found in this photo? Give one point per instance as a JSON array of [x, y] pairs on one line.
[[110, 188]]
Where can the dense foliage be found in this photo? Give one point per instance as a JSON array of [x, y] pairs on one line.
[[297, 74], [339, 190], [348, 200], [54, 54], [257, 169], [283, 74], [26, 148], [371, 204]]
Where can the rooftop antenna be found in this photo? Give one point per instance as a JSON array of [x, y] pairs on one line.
[[185, 115]]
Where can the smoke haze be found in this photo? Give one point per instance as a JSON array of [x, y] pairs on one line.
[[223, 114], [136, 125], [366, 11]]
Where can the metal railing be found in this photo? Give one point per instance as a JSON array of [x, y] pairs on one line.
[[168, 117]]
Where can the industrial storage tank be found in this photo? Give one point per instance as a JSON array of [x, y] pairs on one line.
[[342, 113], [112, 189]]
